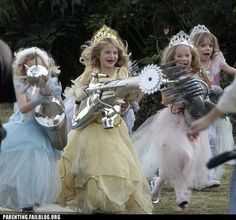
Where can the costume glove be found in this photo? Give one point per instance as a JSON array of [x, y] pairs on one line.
[[42, 99], [81, 94]]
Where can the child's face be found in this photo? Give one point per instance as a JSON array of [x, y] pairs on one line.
[[205, 49], [108, 56], [183, 56]]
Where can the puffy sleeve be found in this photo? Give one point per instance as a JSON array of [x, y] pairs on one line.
[[216, 64], [20, 85], [77, 90], [227, 102], [220, 58]]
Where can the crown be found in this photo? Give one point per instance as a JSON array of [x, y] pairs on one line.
[[198, 29], [179, 39], [104, 32]]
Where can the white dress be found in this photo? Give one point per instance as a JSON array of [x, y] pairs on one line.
[[223, 129]]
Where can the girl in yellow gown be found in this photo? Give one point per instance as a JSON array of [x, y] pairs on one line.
[[99, 169]]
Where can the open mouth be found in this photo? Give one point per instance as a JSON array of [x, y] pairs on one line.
[[184, 64], [110, 61], [206, 54]]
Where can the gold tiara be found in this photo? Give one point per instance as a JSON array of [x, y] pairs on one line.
[[104, 32]]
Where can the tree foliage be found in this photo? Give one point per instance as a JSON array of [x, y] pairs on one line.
[[62, 26]]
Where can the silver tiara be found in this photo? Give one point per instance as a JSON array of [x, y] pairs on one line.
[[198, 29], [179, 39]]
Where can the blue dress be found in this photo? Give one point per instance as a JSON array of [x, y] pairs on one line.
[[28, 172]]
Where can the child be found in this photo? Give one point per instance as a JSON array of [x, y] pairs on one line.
[[128, 114], [99, 169], [212, 59], [213, 62], [28, 171], [180, 162]]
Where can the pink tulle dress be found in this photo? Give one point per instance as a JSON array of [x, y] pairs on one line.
[[161, 143]]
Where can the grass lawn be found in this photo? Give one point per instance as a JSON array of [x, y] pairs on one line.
[[207, 201]]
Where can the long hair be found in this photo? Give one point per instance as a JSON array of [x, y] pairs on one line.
[[169, 53], [200, 37], [91, 53]]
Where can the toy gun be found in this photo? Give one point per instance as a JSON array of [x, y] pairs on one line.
[[50, 116], [106, 95]]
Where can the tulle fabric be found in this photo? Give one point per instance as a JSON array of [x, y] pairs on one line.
[[28, 171], [181, 162], [220, 132], [221, 140], [225, 135], [214, 141], [69, 103], [142, 140], [214, 69], [100, 171], [129, 118]]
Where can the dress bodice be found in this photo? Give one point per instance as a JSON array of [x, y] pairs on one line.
[[29, 93]]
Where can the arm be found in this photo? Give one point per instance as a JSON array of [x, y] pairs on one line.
[[164, 100], [227, 103], [43, 96], [204, 122], [77, 90], [228, 69], [24, 106]]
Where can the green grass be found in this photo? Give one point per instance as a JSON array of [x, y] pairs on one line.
[[5, 112], [207, 201]]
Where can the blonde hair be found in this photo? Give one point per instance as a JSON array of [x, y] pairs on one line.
[[91, 53], [53, 69], [200, 37], [169, 53]]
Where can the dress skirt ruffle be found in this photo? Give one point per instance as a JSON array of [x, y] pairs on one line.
[[100, 171], [28, 172], [162, 143]]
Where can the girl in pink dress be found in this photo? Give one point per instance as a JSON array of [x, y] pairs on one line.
[[180, 161]]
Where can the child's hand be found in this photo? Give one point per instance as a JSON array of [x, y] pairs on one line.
[[45, 90], [196, 127], [42, 99], [80, 93]]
